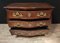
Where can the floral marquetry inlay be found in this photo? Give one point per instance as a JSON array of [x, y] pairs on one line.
[[41, 14], [17, 14]]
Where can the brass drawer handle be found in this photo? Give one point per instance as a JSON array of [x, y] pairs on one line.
[[41, 14], [17, 14], [18, 25], [44, 23], [41, 23]]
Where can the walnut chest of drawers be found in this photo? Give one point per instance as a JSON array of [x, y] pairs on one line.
[[29, 19]]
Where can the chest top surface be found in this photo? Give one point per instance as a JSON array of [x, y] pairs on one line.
[[28, 6]]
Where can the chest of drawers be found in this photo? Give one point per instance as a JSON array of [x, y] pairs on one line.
[[29, 19]]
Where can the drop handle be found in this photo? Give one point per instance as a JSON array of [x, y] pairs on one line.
[[17, 25], [41, 23]]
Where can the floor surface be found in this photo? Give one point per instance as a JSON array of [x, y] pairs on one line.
[[52, 37]]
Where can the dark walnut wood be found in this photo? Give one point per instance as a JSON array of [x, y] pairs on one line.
[[29, 16]]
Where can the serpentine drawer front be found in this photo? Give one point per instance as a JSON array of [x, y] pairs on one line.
[[26, 24], [28, 33], [29, 19], [29, 14]]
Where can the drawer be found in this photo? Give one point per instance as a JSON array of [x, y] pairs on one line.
[[29, 14], [28, 24], [29, 33]]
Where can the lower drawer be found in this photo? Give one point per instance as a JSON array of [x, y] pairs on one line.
[[28, 33], [28, 24]]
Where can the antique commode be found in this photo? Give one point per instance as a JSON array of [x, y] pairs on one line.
[[29, 19]]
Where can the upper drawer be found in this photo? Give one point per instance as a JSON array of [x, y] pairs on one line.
[[29, 14]]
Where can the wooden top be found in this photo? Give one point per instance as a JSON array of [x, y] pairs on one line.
[[28, 5]]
